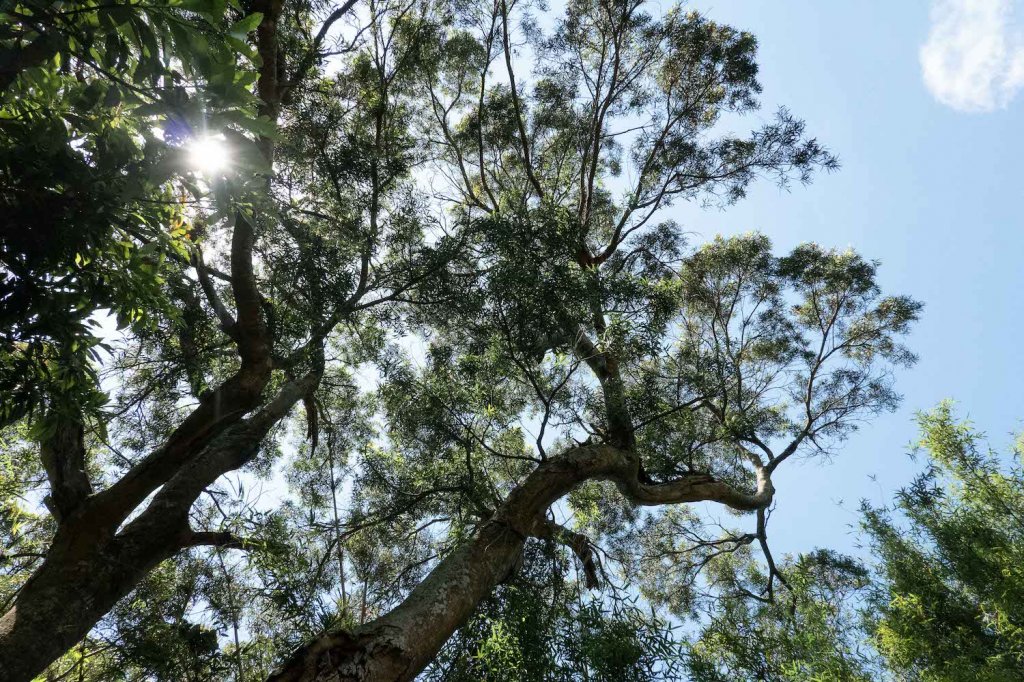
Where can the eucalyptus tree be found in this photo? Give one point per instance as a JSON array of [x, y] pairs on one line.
[[571, 316], [448, 251]]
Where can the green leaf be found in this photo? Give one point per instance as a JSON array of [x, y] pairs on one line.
[[240, 29]]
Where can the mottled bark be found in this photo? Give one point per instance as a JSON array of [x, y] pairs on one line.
[[399, 644]]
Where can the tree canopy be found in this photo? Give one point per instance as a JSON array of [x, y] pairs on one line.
[[419, 378]]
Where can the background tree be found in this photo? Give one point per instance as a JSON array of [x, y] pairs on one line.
[[89, 210], [950, 601], [469, 345]]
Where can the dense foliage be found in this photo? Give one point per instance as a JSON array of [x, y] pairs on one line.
[[89, 210], [950, 595], [812, 631], [423, 379]]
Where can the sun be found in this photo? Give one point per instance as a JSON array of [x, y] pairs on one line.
[[209, 155]]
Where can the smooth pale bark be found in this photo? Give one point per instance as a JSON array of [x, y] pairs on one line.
[[399, 645]]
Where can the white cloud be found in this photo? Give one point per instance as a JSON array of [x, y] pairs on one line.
[[973, 59]]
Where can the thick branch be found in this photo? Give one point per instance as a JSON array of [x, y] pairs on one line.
[[580, 545], [227, 321], [788, 452], [217, 411], [226, 405], [230, 450], [253, 341], [223, 539], [606, 369], [398, 645], [698, 488]]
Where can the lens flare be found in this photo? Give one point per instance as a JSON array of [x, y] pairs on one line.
[[209, 155]]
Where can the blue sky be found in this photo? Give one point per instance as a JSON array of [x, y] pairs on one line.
[[931, 185]]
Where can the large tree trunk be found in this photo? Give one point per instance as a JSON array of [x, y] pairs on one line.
[[88, 567], [400, 644], [81, 579]]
